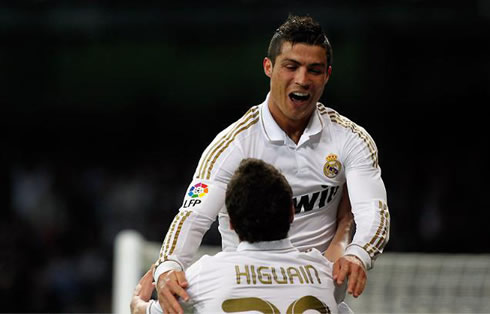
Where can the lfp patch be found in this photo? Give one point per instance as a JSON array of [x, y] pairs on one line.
[[198, 190]]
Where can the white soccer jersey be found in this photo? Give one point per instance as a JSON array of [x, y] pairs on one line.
[[267, 277], [331, 151]]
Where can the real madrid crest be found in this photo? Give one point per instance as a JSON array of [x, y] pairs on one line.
[[332, 167]]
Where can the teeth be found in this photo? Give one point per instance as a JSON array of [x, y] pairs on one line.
[[300, 94]]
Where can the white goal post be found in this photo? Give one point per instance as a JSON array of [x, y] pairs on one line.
[[398, 283]]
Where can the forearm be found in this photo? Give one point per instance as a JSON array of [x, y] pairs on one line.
[[371, 215], [343, 233], [340, 241], [372, 234], [182, 241]]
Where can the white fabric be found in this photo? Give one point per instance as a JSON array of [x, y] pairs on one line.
[[150, 308], [352, 152], [215, 284]]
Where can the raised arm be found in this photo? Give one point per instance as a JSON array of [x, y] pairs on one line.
[[204, 199]]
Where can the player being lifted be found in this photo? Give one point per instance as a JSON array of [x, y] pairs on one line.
[[317, 149], [266, 273]]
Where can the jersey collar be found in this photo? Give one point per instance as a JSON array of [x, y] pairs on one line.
[[274, 133], [278, 245]]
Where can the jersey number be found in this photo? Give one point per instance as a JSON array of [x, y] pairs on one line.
[[256, 304]]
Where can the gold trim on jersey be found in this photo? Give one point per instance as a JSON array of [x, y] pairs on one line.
[[254, 304], [166, 241], [207, 163], [381, 235], [177, 232], [384, 236], [343, 121], [249, 304], [166, 250], [212, 149], [321, 108]]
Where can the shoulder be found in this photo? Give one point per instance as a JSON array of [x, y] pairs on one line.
[[350, 133], [209, 261], [244, 123], [337, 119], [226, 146], [344, 125], [198, 266], [204, 270]]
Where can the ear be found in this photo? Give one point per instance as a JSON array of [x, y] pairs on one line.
[[267, 63], [291, 216], [231, 225], [329, 73]]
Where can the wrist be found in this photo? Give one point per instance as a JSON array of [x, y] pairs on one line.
[[355, 259], [139, 306], [164, 268], [360, 253]]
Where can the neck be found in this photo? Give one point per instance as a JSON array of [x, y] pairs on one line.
[[294, 131], [293, 128]]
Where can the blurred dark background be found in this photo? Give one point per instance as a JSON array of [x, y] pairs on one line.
[[107, 105]]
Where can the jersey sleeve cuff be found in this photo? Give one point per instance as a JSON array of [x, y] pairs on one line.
[[357, 251], [165, 267], [148, 307], [154, 308]]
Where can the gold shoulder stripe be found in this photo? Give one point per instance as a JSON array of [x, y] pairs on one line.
[[212, 149], [227, 143], [225, 139], [354, 127], [321, 108], [251, 113], [337, 118]]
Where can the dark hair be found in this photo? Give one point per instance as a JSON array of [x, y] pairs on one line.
[[299, 29], [259, 200]]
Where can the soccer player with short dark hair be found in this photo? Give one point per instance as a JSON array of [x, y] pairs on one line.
[[266, 273], [318, 150]]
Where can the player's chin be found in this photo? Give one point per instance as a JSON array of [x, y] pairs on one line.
[[299, 115], [300, 107], [300, 111]]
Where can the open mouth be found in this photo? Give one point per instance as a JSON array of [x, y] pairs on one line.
[[299, 97]]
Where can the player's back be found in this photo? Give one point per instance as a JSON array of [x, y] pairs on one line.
[[268, 277]]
